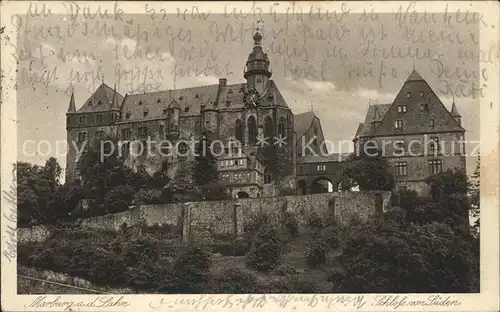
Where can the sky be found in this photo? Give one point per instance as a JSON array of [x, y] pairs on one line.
[[336, 65]]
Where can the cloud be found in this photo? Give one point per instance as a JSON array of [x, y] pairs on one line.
[[376, 96]]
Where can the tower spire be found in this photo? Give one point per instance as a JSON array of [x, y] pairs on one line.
[[114, 102], [72, 107], [257, 37], [258, 68]]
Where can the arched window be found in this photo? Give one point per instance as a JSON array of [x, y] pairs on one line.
[[238, 131], [252, 130], [268, 177], [268, 127], [281, 127]]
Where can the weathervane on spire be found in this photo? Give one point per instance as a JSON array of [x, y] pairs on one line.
[[312, 109], [413, 64], [102, 77]]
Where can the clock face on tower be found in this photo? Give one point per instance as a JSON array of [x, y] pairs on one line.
[[251, 98]]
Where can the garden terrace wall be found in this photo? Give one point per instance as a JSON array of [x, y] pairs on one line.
[[206, 220]]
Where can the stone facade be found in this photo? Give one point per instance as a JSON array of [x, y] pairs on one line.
[[172, 120], [206, 220], [417, 134]]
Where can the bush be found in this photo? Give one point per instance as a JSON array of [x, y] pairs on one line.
[[284, 270], [120, 193], [331, 235], [117, 206], [191, 270], [315, 221], [146, 196], [234, 281], [290, 224], [292, 284], [316, 256], [256, 222], [265, 253], [238, 248]]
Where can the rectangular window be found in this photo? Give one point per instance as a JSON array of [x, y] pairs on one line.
[[434, 145], [321, 168], [398, 124], [431, 122], [402, 109], [401, 168], [400, 146], [125, 149], [436, 166], [126, 134], [99, 134], [82, 136], [142, 131], [82, 119], [98, 118], [162, 130], [424, 107]]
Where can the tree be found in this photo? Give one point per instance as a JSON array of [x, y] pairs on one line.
[[105, 173], [450, 203], [474, 195], [205, 174], [379, 257], [36, 189], [182, 187], [277, 160], [368, 172]]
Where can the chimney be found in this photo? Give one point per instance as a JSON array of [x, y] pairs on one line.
[[222, 82]]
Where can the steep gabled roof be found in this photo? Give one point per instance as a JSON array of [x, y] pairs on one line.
[[302, 122], [190, 100], [375, 112], [422, 104], [103, 99]]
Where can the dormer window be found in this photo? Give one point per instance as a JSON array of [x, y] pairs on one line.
[[196, 96], [180, 98], [408, 94], [164, 111], [145, 113], [158, 101]]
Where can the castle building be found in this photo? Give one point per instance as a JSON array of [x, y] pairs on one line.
[[245, 112], [416, 133]]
